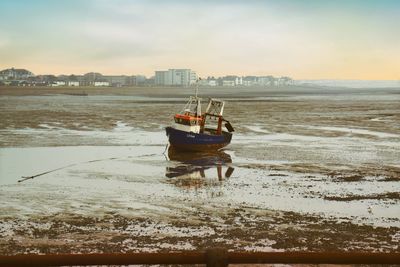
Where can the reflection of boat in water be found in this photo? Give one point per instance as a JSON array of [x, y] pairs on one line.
[[190, 133], [189, 168]]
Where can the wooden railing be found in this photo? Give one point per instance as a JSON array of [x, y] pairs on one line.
[[211, 257]]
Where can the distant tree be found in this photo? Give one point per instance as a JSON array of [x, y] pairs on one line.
[[32, 79], [72, 78], [92, 76], [50, 78]]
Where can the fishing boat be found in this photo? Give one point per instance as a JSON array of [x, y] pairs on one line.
[[196, 131]]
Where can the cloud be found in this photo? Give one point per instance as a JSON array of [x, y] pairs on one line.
[[299, 38]]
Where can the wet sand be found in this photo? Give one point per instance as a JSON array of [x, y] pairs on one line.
[[309, 169]]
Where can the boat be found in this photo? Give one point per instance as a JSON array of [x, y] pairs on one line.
[[194, 131]]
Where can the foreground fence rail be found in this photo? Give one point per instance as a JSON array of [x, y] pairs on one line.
[[212, 257]]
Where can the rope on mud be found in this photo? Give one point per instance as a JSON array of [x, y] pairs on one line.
[[60, 168], [24, 178], [166, 148]]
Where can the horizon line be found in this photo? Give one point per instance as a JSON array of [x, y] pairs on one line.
[[205, 76]]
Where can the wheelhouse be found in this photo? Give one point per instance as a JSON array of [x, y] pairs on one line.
[[190, 118]]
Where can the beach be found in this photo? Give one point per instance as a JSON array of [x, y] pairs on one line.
[[308, 169]]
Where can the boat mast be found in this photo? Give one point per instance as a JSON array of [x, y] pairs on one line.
[[198, 106], [197, 87]]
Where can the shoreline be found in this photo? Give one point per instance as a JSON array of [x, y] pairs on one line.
[[217, 91]]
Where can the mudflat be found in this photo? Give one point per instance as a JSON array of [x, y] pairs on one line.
[[308, 169]]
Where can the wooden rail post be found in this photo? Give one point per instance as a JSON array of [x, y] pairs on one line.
[[217, 257]]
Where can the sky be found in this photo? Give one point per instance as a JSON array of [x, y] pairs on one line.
[[303, 39]]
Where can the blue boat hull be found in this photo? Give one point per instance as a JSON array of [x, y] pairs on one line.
[[190, 141]]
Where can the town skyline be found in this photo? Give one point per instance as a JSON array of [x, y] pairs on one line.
[[170, 77], [301, 39], [175, 77]]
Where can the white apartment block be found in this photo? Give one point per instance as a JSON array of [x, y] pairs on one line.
[[175, 77]]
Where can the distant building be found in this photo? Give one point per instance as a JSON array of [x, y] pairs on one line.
[[232, 80], [228, 83], [101, 83], [140, 80], [115, 80], [58, 83], [15, 74], [161, 77], [73, 83], [192, 77], [175, 77], [170, 77], [150, 81], [91, 77], [266, 81], [124, 80], [285, 81], [210, 81], [250, 80]]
